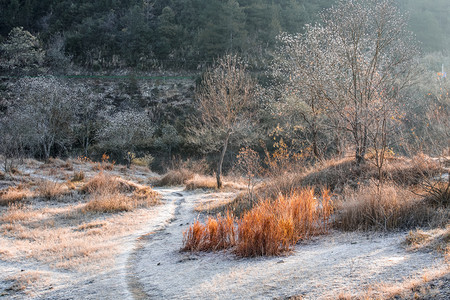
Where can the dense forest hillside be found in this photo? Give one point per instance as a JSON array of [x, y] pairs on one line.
[[75, 74], [183, 34]]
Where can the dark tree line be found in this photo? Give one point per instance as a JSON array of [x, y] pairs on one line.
[[158, 33]]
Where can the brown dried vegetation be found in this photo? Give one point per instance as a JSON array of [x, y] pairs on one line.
[[175, 177], [14, 194], [270, 228], [113, 194]]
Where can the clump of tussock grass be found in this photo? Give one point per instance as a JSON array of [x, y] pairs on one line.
[[78, 176], [270, 228], [112, 194], [387, 207], [202, 182], [102, 182], [50, 189], [14, 194], [216, 234], [175, 177], [274, 227], [110, 203]]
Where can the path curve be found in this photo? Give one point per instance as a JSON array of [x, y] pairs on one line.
[[320, 268]]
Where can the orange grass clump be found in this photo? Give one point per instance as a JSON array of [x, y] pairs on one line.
[[217, 234], [271, 228]]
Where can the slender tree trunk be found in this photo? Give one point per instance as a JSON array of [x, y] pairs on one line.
[[219, 166]]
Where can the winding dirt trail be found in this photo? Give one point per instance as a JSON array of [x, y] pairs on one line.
[[322, 268], [151, 266]]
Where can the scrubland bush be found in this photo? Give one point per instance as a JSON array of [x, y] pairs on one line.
[[386, 208], [438, 193], [270, 228]]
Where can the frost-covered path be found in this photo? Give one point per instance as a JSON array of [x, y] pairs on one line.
[[150, 265], [321, 268]]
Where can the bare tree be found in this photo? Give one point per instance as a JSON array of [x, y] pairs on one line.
[[297, 66], [361, 55], [126, 131], [44, 111], [227, 101]]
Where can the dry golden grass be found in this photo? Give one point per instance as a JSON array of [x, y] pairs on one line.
[[16, 213], [203, 182], [337, 174], [433, 284], [217, 234], [210, 183], [238, 205], [109, 202], [281, 185], [14, 194], [175, 177], [270, 228], [274, 227], [103, 166], [101, 183], [50, 189], [437, 239], [391, 207], [21, 281], [65, 237], [107, 194], [78, 176]]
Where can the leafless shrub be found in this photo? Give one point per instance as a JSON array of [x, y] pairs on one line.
[[370, 208]]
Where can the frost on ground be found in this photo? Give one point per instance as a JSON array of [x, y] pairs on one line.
[[340, 263], [89, 282], [149, 265]]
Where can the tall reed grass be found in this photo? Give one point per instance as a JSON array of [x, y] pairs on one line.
[[270, 228]]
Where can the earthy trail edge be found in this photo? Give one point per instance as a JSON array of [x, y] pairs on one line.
[[135, 287]]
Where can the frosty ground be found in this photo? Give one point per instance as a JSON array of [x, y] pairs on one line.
[[145, 262]]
